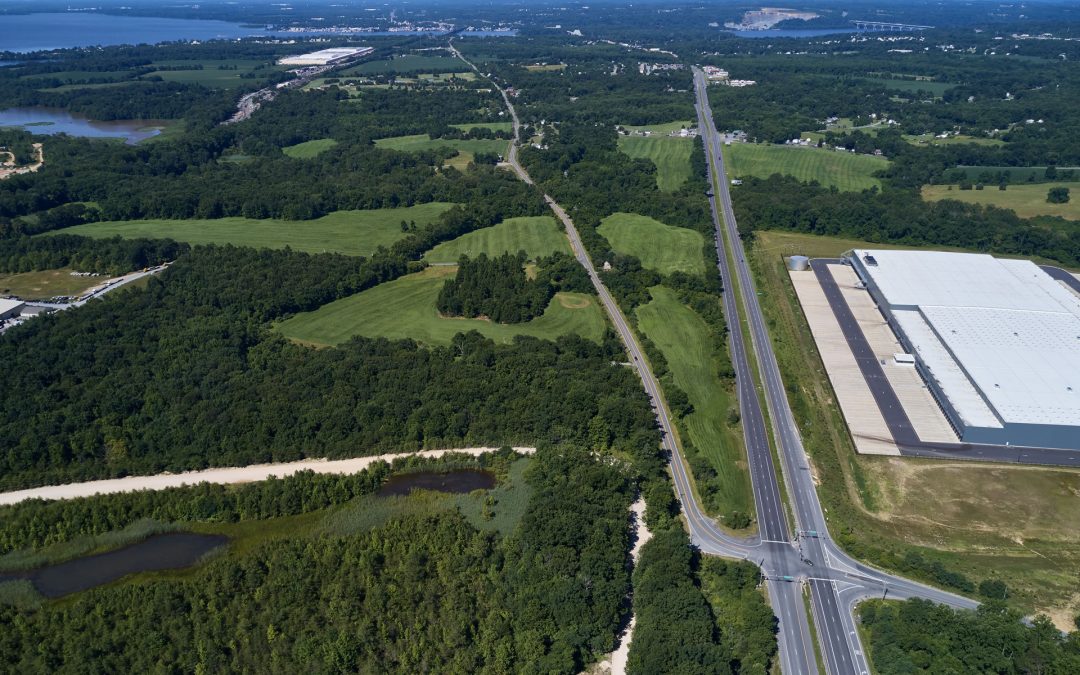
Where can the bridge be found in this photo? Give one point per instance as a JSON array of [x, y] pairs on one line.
[[883, 26]]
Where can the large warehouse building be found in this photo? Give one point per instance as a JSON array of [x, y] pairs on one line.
[[997, 341], [327, 57]]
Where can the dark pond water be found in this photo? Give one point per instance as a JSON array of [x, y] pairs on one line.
[[160, 552], [457, 482], [56, 121]]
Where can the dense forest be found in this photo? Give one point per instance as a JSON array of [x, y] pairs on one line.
[[895, 216], [422, 593], [496, 288], [102, 256], [921, 637], [185, 374]]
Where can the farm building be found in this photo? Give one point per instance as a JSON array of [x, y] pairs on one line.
[[997, 341]]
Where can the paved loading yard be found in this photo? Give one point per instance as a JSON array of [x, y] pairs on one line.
[[868, 428]]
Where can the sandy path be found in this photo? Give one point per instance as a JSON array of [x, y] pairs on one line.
[[241, 474], [615, 662]]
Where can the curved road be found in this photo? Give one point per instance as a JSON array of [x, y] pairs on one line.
[[836, 581]]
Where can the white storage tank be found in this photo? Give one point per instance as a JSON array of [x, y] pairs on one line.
[[798, 263]]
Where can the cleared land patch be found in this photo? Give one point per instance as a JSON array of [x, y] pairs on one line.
[[684, 339], [405, 308], [844, 170], [670, 154], [1028, 200], [467, 148], [46, 284], [408, 63], [977, 519], [348, 232], [538, 236], [309, 149], [660, 247]]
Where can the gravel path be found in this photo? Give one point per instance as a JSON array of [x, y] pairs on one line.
[[241, 474]]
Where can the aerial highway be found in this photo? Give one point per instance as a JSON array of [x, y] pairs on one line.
[[837, 581], [792, 556]]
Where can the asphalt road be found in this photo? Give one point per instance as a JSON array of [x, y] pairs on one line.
[[836, 582]]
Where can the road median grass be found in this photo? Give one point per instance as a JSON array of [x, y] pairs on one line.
[[832, 168], [348, 232], [982, 520], [405, 308], [713, 427], [538, 236], [658, 246]]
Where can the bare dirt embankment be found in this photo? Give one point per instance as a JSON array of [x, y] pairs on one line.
[[227, 475], [615, 662]]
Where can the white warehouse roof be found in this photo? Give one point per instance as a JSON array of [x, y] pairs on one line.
[[1001, 337], [7, 305], [325, 56]]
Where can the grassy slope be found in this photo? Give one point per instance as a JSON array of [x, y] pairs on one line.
[[983, 520], [309, 149], [405, 308], [670, 154], [538, 236], [845, 170], [660, 247], [348, 232], [683, 338], [46, 284], [1027, 200]]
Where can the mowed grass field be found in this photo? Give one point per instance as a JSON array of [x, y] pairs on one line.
[[348, 232], [408, 63], [405, 308], [494, 126], [987, 521], [660, 247], [466, 148], [670, 154], [538, 236], [1028, 200], [309, 149], [683, 337], [844, 170], [45, 284]]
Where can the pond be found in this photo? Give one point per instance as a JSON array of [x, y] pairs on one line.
[[460, 481], [161, 552], [55, 121]]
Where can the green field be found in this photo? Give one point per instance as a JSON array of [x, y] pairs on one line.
[[662, 129], [684, 339], [45, 284], [466, 148], [670, 154], [983, 520], [660, 247], [538, 236], [494, 126], [844, 170], [467, 76], [405, 308], [348, 232], [309, 149], [910, 86], [409, 63], [1028, 199], [932, 139]]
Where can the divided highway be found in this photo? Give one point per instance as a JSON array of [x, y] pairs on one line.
[[836, 582]]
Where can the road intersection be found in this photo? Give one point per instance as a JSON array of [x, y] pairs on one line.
[[791, 561]]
